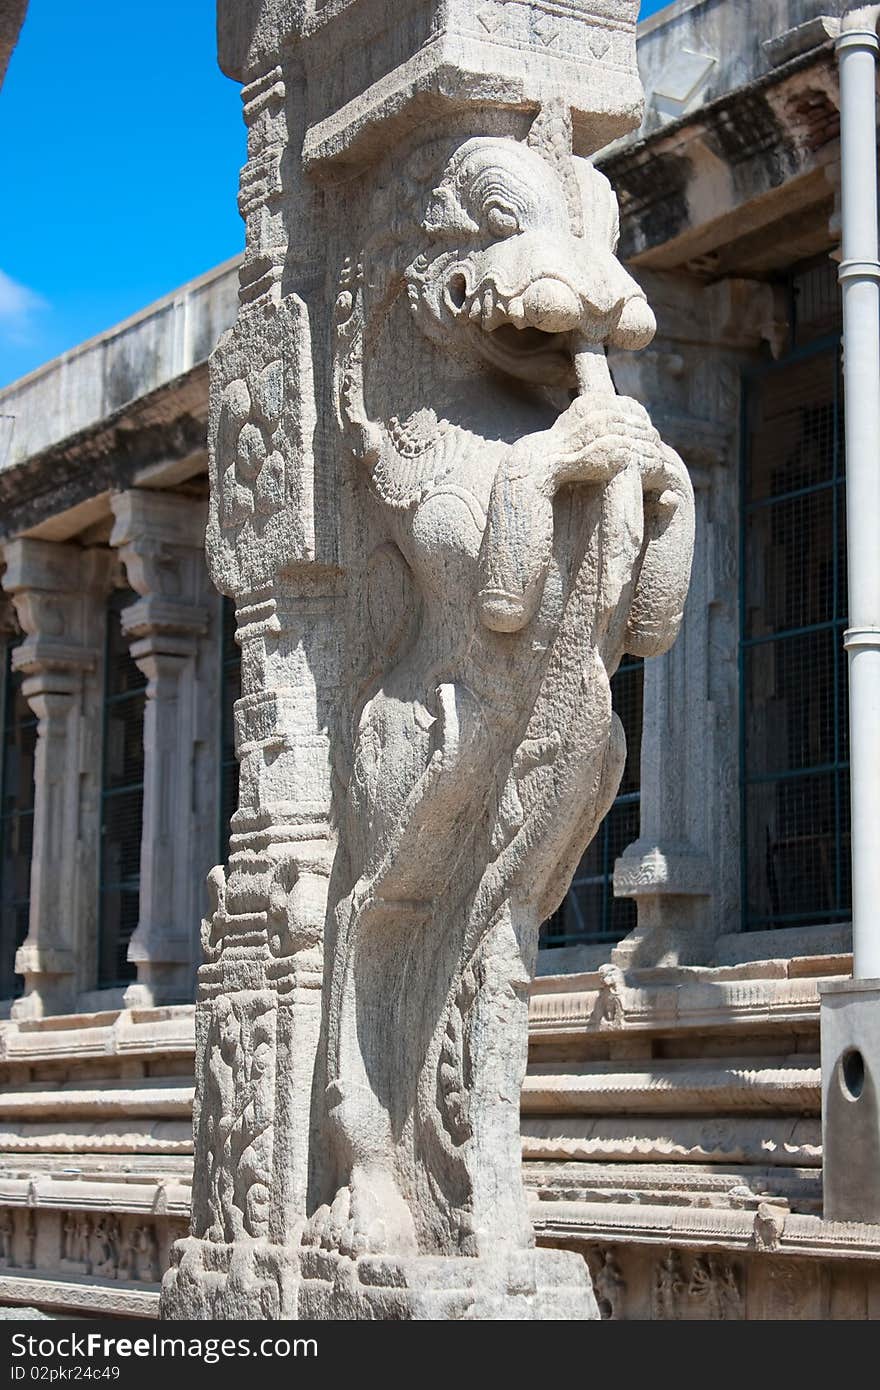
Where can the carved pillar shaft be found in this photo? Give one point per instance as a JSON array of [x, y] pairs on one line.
[[668, 870], [58, 591], [437, 559], [172, 630], [683, 871]]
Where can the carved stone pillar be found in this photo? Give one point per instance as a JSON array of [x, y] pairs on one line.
[[442, 529], [173, 631], [683, 871], [58, 591]]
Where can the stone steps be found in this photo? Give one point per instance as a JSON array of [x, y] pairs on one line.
[[663, 1109], [168, 1099]]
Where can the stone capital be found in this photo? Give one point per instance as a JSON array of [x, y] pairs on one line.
[[52, 588], [450, 55], [161, 538]]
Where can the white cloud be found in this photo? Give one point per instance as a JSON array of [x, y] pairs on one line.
[[18, 305]]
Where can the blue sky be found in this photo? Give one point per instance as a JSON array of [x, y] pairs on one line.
[[122, 143]]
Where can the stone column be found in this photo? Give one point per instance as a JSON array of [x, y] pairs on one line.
[[173, 629], [683, 871], [437, 557], [58, 592]]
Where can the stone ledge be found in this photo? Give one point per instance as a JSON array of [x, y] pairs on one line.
[[733, 1186], [130, 360], [165, 1136], [159, 1197], [695, 1228], [121, 1033], [168, 1101], [80, 1294], [725, 998]]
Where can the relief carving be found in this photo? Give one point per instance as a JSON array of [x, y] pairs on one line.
[[669, 1285], [106, 1240], [545, 531], [140, 1256], [237, 1109], [443, 528], [698, 1287], [262, 422], [609, 1283]]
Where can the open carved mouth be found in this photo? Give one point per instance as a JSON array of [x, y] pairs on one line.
[[528, 352], [498, 325], [527, 340]]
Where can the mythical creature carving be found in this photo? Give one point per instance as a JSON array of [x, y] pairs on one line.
[[609, 1283], [106, 1240], [529, 527], [237, 1107]]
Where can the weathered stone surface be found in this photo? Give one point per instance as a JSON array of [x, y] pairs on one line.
[[12, 13], [443, 527]]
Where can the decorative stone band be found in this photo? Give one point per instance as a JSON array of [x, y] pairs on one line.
[[656, 871], [786, 1142], [635, 1087], [76, 1295], [688, 998], [507, 56]]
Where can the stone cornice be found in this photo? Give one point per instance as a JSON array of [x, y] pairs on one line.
[[697, 1227]]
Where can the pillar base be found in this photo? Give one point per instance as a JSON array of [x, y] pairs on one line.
[[251, 1280], [526, 1285], [850, 1023]]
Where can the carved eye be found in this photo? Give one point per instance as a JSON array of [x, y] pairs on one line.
[[501, 221]]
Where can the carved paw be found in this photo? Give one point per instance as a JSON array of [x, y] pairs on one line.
[[352, 1226], [592, 442]]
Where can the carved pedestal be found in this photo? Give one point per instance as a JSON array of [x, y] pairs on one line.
[[442, 528], [523, 1286]]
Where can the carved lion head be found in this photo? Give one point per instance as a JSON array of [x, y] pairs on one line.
[[521, 266]]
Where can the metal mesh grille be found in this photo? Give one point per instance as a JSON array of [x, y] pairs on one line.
[[590, 912], [230, 676], [122, 796], [19, 741], [815, 302], [795, 778]]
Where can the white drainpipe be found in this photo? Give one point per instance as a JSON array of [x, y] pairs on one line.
[[857, 48]]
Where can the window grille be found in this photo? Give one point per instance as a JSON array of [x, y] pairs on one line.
[[590, 913], [19, 741], [793, 677], [122, 796], [230, 676]]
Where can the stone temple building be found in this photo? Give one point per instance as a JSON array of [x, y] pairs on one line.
[[671, 1115]]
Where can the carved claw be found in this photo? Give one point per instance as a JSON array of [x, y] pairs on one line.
[[315, 1227], [337, 1220], [592, 443]]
